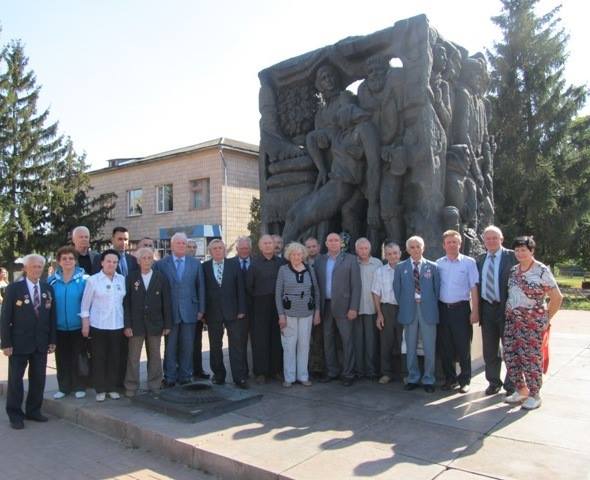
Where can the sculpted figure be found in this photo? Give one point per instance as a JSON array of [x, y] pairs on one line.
[[346, 152], [440, 90], [381, 95], [460, 188]]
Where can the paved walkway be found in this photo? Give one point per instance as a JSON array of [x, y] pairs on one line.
[[378, 431]]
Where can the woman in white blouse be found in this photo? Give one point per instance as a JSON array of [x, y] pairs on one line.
[[102, 321]]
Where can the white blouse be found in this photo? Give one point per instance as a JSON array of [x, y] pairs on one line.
[[103, 301]]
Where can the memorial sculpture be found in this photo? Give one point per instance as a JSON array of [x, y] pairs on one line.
[[407, 153]]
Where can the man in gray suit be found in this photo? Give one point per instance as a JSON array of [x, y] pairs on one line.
[[494, 269], [187, 285], [416, 285], [339, 277]]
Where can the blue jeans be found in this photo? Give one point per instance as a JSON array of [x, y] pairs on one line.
[[178, 356]]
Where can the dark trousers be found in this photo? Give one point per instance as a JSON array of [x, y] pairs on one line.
[[454, 336], [215, 329], [178, 355], [391, 342], [106, 352], [198, 349], [267, 351], [317, 362], [124, 353], [492, 331], [365, 333], [17, 363], [67, 356], [332, 328]]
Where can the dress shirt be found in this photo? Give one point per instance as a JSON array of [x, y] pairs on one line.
[[244, 263], [31, 288], [146, 278], [484, 273], [383, 284], [367, 306], [330, 264], [457, 278], [103, 301]]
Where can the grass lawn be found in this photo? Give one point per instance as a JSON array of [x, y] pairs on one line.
[[572, 300], [569, 282]]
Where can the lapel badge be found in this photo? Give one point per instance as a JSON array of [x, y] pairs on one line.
[[136, 285], [27, 300], [44, 295], [157, 292], [26, 296], [108, 287], [19, 303]]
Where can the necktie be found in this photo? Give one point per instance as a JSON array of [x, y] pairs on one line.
[[244, 265], [219, 273], [490, 292], [36, 299], [417, 278], [123, 262], [179, 268]]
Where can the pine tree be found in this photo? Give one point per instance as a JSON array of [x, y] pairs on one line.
[[537, 189], [254, 223]]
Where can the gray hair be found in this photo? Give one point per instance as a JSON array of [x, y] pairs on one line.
[[191, 241], [246, 239], [32, 257], [214, 242], [292, 247], [391, 245], [80, 228], [140, 252], [360, 241], [492, 228], [415, 238], [179, 236]]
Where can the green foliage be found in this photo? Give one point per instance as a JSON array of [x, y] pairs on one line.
[[254, 223], [541, 179], [42, 181]]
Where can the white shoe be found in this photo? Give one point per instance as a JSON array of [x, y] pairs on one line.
[[287, 384], [58, 395], [385, 379], [114, 395], [100, 397], [531, 403], [80, 394], [515, 398]]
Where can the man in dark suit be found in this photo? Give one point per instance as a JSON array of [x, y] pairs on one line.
[[28, 333], [87, 258], [120, 242], [187, 285], [226, 307], [148, 316], [494, 269], [339, 279], [244, 260]]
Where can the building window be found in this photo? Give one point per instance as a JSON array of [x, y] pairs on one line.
[[164, 198], [134, 202], [199, 194]]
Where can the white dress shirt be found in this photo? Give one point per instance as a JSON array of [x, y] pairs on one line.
[[146, 278], [103, 301], [383, 284]]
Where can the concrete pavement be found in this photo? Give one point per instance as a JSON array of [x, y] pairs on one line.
[[371, 430]]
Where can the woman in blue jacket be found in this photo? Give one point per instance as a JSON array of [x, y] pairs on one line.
[[68, 283]]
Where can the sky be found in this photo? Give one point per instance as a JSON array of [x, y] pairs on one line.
[[130, 78]]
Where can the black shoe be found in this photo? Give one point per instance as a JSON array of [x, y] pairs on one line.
[[464, 388], [374, 378], [411, 386], [243, 384], [429, 388], [492, 389], [37, 417], [327, 379], [201, 376], [218, 381], [184, 382], [509, 391], [17, 424], [347, 382], [166, 384], [449, 386]]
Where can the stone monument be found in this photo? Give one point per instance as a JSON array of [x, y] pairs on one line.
[[407, 153]]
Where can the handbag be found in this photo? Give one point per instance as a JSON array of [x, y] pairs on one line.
[[545, 348]]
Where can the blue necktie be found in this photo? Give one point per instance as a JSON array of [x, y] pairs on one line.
[[179, 268], [124, 270]]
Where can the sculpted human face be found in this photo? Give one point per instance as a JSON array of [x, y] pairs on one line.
[[452, 246], [266, 245], [178, 247], [120, 241], [439, 58], [109, 264], [313, 248], [492, 241], [393, 255], [217, 251], [415, 250], [326, 80], [376, 77], [333, 244], [363, 251], [34, 269]]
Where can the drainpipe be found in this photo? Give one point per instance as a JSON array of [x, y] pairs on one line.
[[224, 193]]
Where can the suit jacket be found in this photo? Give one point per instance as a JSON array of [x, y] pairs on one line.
[[507, 261], [404, 288], [132, 264], [188, 294], [224, 302], [20, 327], [346, 283], [147, 312]]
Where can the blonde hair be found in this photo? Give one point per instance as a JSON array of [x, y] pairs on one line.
[[451, 233]]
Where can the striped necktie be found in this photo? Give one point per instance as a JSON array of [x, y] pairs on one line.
[[490, 293], [417, 278]]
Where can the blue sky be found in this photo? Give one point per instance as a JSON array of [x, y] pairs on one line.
[[128, 78]]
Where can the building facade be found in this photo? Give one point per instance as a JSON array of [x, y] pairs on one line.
[[204, 190]]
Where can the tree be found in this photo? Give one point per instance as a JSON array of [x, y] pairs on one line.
[[42, 183], [540, 187], [254, 223]]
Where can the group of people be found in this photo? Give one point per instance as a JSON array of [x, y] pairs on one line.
[[329, 316]]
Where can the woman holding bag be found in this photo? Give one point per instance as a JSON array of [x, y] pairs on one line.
[[527, 318]]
